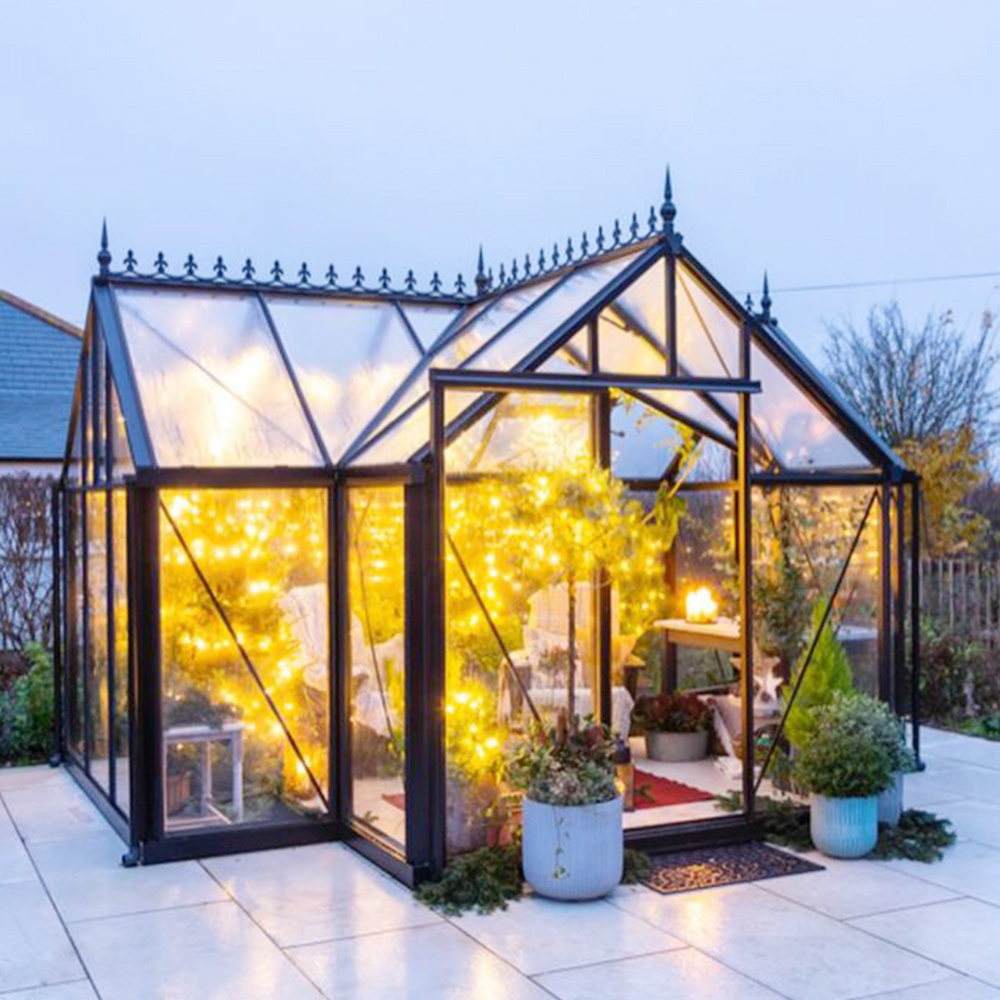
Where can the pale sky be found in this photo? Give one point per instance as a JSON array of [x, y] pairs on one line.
[[829, 142]]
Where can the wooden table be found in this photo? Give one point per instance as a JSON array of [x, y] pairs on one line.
[[724, 634]]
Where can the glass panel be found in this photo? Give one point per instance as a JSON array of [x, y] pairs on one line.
[[624, 352], [349, 357], [229, 758], [643, 440], [120, 450], [429, 322], [572, 358], [691, 404], [398, 444], [97, 638], [708, 335], [489, 318], [119, 555], [87, 418], [643, 305], [98, 401], [214, 389], [532, 329], [797, 432], [75, 620], [74, 469], [377, 652]]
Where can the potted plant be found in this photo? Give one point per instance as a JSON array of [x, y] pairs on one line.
[[888, 730], [845, 766], [676, 726], [572, 845]]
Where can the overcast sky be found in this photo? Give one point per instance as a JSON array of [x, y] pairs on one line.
[[829, 142]]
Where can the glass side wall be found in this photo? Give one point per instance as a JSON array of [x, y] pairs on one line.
[[120, 645], [377, 659], [245, 656], [98, 723], [802, 537]]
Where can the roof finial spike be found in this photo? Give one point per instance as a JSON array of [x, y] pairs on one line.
[[749, 303], [482, 282], [765, 302], [104, 256], [668, 211]]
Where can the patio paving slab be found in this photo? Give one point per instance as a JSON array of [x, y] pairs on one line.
[[965, 781], [53, 810], [968, 868], [963, 934], [541, 935], [15, 864], [79, 990], [973, 819], [304, 895], [847, 889], [796, 951], [209, 952], [954, 988], [87, 880], [34, 948], [684, 974], [419, 963]]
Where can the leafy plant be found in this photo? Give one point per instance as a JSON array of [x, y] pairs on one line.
[[566, 766], [484, 880], [957, 679], [638, 867], [26, 711], [671, 713], [919, 836], [828, 672], [846, 755]]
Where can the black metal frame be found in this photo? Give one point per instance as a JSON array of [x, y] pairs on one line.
[[422, 478]]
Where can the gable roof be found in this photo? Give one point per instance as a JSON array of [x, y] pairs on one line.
[[39, 354]]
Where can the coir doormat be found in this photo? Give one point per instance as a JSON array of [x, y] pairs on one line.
[[707, 867]]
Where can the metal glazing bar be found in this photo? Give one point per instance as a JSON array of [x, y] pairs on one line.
[[915, 620], [559, 382]]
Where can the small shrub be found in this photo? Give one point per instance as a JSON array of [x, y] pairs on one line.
[[847, 754], [483, 880], [957, 679], [829, 672], [671, 713], [27, 712], [638, 867]]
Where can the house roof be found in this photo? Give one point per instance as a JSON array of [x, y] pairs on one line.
[[39, 354]]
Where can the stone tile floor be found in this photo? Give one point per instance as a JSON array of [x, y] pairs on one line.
[[315, 922]]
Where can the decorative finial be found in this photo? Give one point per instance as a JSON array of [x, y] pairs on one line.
[[436, 284], [460, 286], [749, 303], [190, 267], [130, 263], [248, 270], [331, 276], [220, 269], [482, 283], [383, 280], [304, 274], [104, 255], [411, 282], [668, 211], [765, 303]]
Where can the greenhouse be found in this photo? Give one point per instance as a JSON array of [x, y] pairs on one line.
[[328, 547]]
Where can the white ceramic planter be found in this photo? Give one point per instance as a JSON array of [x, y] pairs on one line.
[[573, 852], [890, 802], [844, 828], [677, 748]]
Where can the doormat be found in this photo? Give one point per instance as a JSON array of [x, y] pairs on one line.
[[707, 867], [651, 791]]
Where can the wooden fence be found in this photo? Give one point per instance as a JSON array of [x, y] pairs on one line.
[[962, 595]]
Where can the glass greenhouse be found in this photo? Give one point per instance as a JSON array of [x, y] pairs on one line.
[[326, 549]]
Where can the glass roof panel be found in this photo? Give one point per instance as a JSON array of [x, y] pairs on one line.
[[526, 333], [213, 386], [708, 335], [429, 322], [467, 339], [624, 352], [349, 357], [572, 358], [796, 430], [644, 305], [400, 442], [692, 405]]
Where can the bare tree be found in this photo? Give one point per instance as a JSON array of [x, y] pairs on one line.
[[25, 561], [916, 383]]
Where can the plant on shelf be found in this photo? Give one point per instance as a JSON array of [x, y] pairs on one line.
[[845, 763], [676, 726], [572, 842]]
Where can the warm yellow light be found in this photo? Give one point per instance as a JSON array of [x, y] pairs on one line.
[[700, 607]]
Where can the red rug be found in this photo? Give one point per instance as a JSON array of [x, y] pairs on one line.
[[397, 799], [652, 791]]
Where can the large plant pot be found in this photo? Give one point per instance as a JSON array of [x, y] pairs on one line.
[[573, 852], [677, 748], [890, 802], [844, 828]]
